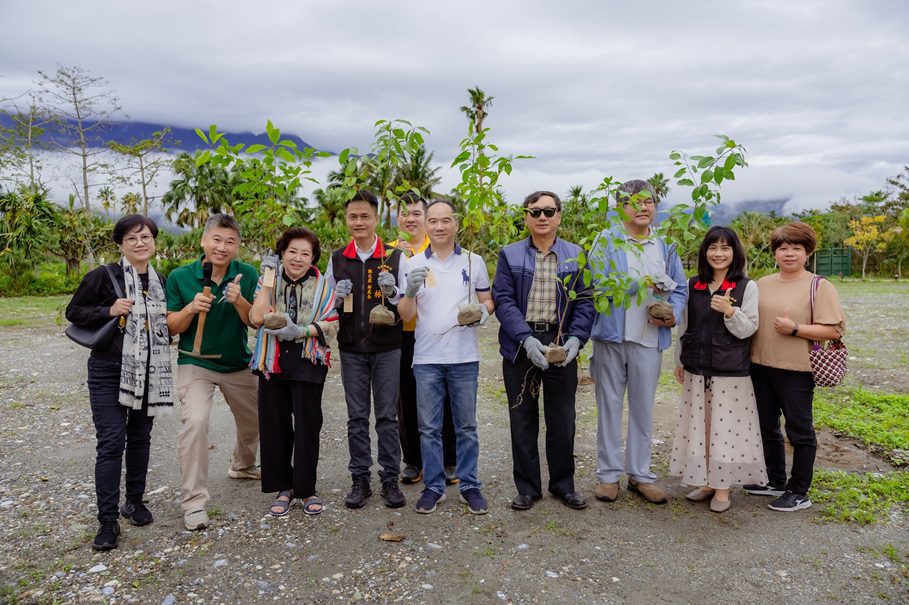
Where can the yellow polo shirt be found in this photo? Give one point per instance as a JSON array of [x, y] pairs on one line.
[[410, 326]]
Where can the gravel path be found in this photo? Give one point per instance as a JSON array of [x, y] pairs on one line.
[[628, 551]]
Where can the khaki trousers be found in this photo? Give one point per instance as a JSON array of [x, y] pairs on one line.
[[195, 392]]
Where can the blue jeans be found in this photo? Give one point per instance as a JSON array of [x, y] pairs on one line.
[[460, 381]]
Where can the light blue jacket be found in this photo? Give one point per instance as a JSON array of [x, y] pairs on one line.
[[610, 327]]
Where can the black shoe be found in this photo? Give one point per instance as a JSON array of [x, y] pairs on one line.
[[359, 492], [573, 500], [759, 489], [108, 537], [790, 502], [523, 502], [411, 474], [450, 477], [136, 513], [392, 494]]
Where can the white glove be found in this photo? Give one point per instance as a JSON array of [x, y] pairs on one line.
[[291, 331], [485, 313], [386, 283], [415, 279], [342, 289], [572, 346], [536, 352]]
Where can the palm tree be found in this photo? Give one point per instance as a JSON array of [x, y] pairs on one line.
[[419, 173], [477, 110], [660, 185], [197, 192]]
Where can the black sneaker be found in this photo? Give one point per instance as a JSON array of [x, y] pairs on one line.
[[108, 537], [359, 492], [136, 513], [475, 501], [790, 502], [411, 474], [757, 489], [428, 500], [392, 494]]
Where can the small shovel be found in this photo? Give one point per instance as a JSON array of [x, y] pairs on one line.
[[200, 327]]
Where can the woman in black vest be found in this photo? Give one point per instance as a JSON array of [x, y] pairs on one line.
[[717, 438]]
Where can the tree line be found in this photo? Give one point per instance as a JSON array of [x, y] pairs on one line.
[[264, 186]]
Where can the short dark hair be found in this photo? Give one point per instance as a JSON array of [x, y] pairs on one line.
[[794, 233], [536, 195], [364, 195], [412, 198], [224, 221], [629, 189], [299, 233], [739, 264], [448, 203], [132, 222]]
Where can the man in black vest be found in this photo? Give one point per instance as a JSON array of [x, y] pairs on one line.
[[366, 275]]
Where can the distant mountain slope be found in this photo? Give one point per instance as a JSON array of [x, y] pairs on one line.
[[128, 132]]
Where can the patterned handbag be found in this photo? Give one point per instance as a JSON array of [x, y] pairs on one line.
[[828, 364]]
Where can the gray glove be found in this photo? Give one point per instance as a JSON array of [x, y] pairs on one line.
[[415, 279], [289, 332], [536, 352], [386, 283], [572, 346], [269, 261], [342, 289], [485, 313]]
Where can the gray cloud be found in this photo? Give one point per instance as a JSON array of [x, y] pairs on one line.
[[815, 90]]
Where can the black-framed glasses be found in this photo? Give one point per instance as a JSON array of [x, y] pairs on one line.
[[536, 212]]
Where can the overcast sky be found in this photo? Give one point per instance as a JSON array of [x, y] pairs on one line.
[[817, 91]]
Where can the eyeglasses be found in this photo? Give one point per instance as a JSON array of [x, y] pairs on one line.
[[536, 212], [133, 240]]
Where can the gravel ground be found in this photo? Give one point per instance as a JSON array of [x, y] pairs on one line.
[[628, 551]]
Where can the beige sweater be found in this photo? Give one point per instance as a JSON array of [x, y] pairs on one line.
[[769, 348]]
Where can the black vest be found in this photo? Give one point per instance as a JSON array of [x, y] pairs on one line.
[[355, 333], [708, 347]]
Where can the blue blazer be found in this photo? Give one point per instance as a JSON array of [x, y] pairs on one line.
[[511, 287]]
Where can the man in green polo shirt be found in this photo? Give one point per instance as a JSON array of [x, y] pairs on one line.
[[233, 285]]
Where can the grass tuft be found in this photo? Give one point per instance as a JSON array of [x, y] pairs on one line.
[[880, 421], [862, 498]]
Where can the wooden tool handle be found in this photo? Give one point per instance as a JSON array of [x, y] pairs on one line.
[[197, 345]]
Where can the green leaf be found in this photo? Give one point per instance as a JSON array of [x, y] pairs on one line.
[[675, 155], [680, 172], [718, 176], [705, 161], [285, 155], [255, 148], [212, 132], [202, 158], [707, 175], [461, 158], [686, 182], [202, 135], [274, 135]]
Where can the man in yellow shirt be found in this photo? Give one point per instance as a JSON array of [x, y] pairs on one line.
[[411, 211]]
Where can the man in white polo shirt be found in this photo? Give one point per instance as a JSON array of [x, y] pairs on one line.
[[440, 281]]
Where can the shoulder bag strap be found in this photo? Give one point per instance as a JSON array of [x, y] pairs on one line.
[[815, 281], [117, 289]]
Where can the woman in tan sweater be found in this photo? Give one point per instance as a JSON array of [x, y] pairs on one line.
[[780, 364]]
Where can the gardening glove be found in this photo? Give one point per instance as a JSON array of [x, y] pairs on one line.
[[342, 289], [269, 261], [289, 332], [415, 279], [572, 346], [485, 313], [387, 284], [536, 352]]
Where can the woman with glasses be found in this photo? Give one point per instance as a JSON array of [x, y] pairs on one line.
[[129, 377]]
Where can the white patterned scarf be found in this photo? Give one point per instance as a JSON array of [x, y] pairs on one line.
[[146, 345]]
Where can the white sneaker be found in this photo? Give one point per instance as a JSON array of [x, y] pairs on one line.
[[250, 472], [195, 520]]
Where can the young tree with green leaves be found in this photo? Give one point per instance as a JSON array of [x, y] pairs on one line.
[[144, 160]]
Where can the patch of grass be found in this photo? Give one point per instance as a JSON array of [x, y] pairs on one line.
[[33, 310], [862, 498], [880, 421], [11, 322]]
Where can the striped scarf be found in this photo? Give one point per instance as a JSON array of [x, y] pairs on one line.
[[267, 352]]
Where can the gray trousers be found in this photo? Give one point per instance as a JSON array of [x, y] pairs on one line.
[[380, 372], [615, 367]]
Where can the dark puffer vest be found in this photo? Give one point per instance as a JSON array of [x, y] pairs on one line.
[[355, 333], [708, 347]]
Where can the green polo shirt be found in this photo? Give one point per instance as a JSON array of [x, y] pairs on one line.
[[225, 333]]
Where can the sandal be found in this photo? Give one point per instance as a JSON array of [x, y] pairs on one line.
[[280, 507], [312, 505]]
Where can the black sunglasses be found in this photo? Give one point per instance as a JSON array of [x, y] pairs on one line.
[[536, 212]]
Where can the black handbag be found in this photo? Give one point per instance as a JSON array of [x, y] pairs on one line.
[[97, 337]]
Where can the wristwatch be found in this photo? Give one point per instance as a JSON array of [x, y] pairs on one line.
[[795, 331]]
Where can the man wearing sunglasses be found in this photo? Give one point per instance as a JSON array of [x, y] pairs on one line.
[[530, 290]]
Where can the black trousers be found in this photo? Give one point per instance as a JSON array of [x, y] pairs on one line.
[[117, 429], [408, 426], [523, 382], [791, 394], [290, 420]]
